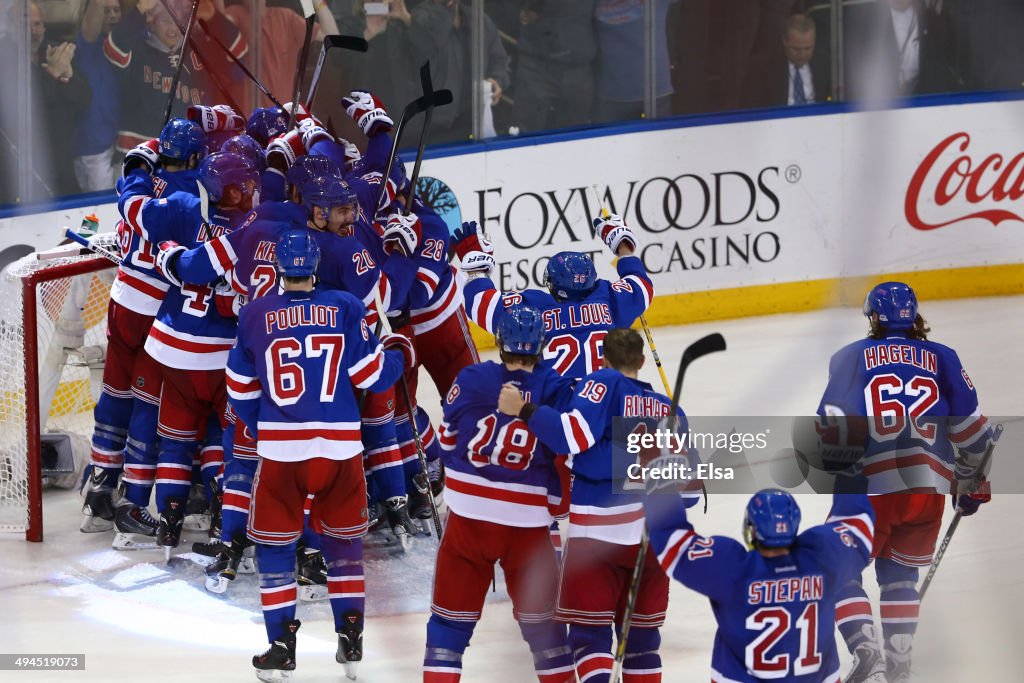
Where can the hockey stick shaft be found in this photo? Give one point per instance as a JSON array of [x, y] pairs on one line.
[[998, 432], [95, 248], [353, 43], [241, 65], [310, 14], [181, 58], [701, 347]]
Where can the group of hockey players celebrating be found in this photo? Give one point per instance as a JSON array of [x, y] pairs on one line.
[[277, 294]]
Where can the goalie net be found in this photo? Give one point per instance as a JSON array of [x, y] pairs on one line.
[[53, 312]]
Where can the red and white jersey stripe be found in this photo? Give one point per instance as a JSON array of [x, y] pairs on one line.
[[619, 524], [482, 308], [242, 388], [643, 286], [445, 306], [717, 677], [516, 505], [861, 526], [298, 441], [138, 291], [677, 544], [907, 470], [184, 351], [966, 432]]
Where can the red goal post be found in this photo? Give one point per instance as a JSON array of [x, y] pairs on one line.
[[53, 308]]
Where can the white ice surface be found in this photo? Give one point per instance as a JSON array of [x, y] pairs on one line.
[[136, 619]]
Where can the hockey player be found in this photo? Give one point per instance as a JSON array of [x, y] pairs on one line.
[[775, 603], [195, 327], [500, 485], [126, 411], [292, 377], [908, 465], [579, 308], [605, 520]]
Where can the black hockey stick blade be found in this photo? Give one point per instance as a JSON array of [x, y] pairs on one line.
[[710, 344], [353, 43]]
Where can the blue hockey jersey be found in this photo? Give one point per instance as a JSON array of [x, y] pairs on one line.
[[285, 373], [575, 329], [600, 507], [188, 333], [139, 287], [496, 469], [776, 615], [920, 402]]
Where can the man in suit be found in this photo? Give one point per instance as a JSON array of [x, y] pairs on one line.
[[798, 74]]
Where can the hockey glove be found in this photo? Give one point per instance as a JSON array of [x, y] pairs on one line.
[[477, 264], [302, 115], [368, 112], [284, 150], [470, 238], [352, 154], [969, 503], [220, 117], [312, 134], [143, 155], [402, 344], [227, 300], [615, 233], [167, 261], [402, 234]]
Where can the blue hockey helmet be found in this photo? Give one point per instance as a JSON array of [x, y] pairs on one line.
[[181, 138], [221, 170], [247, 147], [771, 520], [298, 254], [266, 123], [570, 275], [327, 192], [894, 302], [311, 166], [521, 331]]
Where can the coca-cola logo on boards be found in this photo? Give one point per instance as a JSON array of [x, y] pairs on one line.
[[985, 187]]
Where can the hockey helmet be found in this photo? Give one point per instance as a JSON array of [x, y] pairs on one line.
[[245, 146], [298, 254], [266, 123], [327, 192], [570, 275], [894, 302], [521, 331], [771, 520], [221, 170], [311, 166], [181, 138]]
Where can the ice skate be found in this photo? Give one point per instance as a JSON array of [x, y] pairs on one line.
[[98, 510], [278, 662], [216, 501], [350, 643], [136, 528], [897, 658], [168, 533], [402, 526], [312, 575], [197, 510], [223, 570], [868, 665], [419, 502]]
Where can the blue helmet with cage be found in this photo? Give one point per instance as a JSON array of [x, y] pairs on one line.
[[297, 254], [181, 138], [771, 520], [311, 166], [245, 146], [221, 170], [570, 275], [327, 192], [894, 302], [266, 123], [521, 331]]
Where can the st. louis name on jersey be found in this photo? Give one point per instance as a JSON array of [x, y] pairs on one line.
[[920, 404], [282, 375], [576, 329], [496, 469], [776, 615]]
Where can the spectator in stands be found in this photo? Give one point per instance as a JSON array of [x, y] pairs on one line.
[[58, 92], [796, 75], [97, 125], [621, 64], [144, 46], [441, 33], [897, 48], [554, 77]]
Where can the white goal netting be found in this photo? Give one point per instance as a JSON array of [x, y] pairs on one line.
[[71, 292]]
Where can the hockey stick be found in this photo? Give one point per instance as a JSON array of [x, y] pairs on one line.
[[998, 432], [310, 14], [353, 43], [698, 349], [91, 246], [241, 65], [217, 83], [181, 58]]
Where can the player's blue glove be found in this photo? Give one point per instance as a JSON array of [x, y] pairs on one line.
[[166, 261], [615, 233], [402, 344], [368, 112], [968, 503], [143, 155], [469, 238]]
